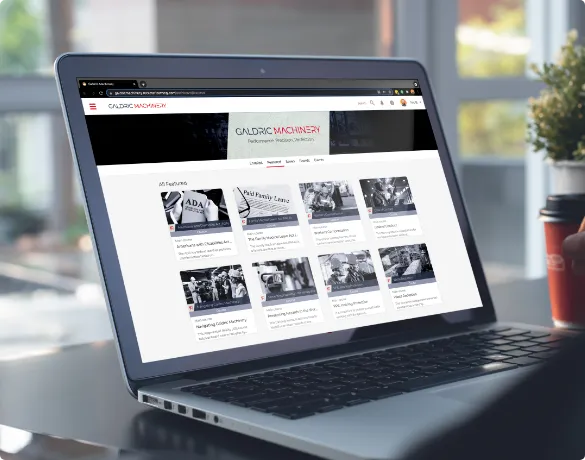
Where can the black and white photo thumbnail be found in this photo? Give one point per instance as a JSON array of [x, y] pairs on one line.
[[344, 271], [261, 206], [388, 197], [285, 279], [191, 210], [409, 264], [332, 199], [209, 289]]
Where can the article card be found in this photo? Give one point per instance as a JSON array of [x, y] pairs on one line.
[[218, 302], [268, 218], [391, 208], [332, 212], [289, 295], [351, 284], [410, 276], [198, 224]]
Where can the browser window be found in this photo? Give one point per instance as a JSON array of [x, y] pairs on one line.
[[250, 215]]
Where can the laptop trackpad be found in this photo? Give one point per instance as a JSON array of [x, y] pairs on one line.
[[479, 391]]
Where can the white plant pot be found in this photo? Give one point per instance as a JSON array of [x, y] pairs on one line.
[[567, 176]]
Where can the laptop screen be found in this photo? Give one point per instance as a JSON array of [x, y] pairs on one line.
[[246, 212]]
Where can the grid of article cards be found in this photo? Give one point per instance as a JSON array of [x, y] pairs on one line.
[[349, 273]]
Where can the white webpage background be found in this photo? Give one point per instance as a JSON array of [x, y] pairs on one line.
[[151, 271]]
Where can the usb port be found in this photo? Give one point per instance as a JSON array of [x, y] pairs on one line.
[[182, 409], [198, 414], [168, 405]]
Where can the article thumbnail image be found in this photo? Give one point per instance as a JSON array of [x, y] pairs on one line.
[[346, 270], [216, 287], [267, 201], [292, 277], [327, 197], [406, 263], [387, 195], [193, 208]]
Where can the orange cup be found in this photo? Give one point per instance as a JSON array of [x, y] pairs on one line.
[[562, 216]]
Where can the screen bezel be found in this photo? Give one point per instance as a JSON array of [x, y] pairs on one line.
[[70, 67]]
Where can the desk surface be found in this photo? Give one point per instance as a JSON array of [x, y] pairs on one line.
[[77, 393]]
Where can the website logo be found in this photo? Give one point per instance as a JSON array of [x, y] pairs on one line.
[[278, 130], [137, 105], [92, 106]]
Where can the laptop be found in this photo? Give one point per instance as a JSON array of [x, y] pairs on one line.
[[284, 248]]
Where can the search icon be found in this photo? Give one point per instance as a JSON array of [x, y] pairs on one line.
[[372, 102]]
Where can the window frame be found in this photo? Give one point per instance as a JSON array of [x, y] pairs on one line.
[[434, 23]]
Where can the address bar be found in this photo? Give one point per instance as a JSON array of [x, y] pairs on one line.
[[155, 92]]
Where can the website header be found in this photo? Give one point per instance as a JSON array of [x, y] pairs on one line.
[[161, 105]]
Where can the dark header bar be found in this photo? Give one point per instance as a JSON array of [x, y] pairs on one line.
[[244, 87], [179, 83], [256, 92]]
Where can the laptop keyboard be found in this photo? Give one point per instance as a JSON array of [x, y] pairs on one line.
[[305, 390]]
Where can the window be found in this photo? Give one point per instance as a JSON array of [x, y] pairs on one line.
[[491, 38]]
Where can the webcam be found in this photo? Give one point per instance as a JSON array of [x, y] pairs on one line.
[[262, 71]]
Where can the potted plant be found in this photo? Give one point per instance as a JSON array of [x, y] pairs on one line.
[[557, 125]]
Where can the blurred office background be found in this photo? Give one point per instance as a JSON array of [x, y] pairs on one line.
[[477, 53]]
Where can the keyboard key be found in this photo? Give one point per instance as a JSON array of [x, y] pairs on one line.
[[388, 381], [524, 344], [497, 357], [225, 396], [356, 402], [549, 339], [338, 392], [344, 400], [458, 367], [353, 382], [517, 338], [488, 351], [264, 405], [480, 362], [426, 368], [331, 408], [511, 332], [239, 386], [245, 401], [349, 372], [505, 348], [536, 349], [329, 387], [456, 376], [524, 361], [537, 334], [544, 355], [325, 378], [498, 342], [516, 353], [300, 408]]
